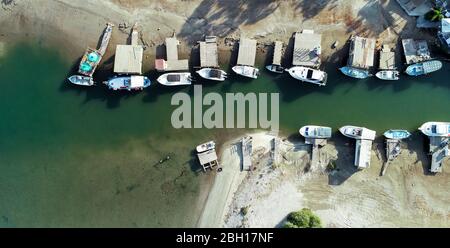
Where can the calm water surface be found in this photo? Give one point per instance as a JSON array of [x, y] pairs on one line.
[[72, 156]]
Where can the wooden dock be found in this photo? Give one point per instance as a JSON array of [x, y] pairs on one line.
[[316, 144], [387, 58], [439, 151], [208, 52], [362, 52], [246, 153], [307, 49], [172, 62], [247, 52], [393, 149], [277, 52]]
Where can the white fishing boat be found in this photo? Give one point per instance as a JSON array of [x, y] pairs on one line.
[[212, 74], [436, 129], [128, 83], [388, 75], [315, 132], [360, 133], [81, 80], [309, 75], [206, 146], [175, 79], [246, 71]]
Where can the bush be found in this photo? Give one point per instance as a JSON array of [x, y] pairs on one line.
[[304, 218], [434, 15]]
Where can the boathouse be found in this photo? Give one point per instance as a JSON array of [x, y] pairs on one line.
[[172, 62], [415, 51], [208, 52], [247, 52], [362, 52], [208, 159], [128, 58], [307, 49], [387, 58]]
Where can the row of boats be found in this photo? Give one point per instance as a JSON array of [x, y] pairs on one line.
[[431, 129]]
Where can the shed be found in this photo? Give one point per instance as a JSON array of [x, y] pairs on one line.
[[128, 59], [247, 52], [307, 49], [362, 51]]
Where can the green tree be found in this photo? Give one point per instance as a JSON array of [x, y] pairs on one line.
[[304, 218], [435, 14]]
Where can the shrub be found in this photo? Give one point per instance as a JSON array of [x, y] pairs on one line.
[[434, 15], [304, 218]]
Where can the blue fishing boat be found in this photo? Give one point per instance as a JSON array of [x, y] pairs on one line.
[[397, 134], [423, 68], [128, 83], [355, 72]]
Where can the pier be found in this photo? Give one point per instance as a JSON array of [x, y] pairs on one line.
[[415, 51], [208, 52], [128, 59], [439, 151], [362, 52], [387, 58], [393, 149], [173, 63], [363, 152], [246, 153], [316, 144], [277, 52], [307, 49], [247, 52]]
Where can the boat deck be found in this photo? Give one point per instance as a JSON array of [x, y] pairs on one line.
[[247, 52], [208, 52], [277, 52], [415, 51], [439, 151], [387, 58], [307, 46]]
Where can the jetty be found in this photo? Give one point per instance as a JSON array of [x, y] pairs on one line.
[[362, 52], [439, 151], [363, 152], [128, 59], [247, 153], [387, 58], [247, 52], [208, 159], [277, 53], [92, 57], [316, 144], [415, 51], [172, 62], [208, 53], [307, 49], [393, 150]]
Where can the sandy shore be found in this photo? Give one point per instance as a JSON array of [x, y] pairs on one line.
[[407, 196]]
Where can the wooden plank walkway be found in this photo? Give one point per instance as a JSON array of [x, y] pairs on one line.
[[393, 149], [246, 153], [247, 52], [277, 53], [208, 52], [307, 46]]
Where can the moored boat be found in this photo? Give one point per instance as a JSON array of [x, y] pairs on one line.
[[206, 146], [436, 129], [212, 74], [397, 134], [358, 132], [315, 132], [308, 75], [423, 68], [355, 72], [81, 80], [175, 79], [275, 68], [246, 71], [388, 75], [128, 83]]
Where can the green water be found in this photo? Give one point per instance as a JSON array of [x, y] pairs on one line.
[[72, 156]]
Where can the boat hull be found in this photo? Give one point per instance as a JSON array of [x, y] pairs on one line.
[[206, 74], [206, 146], [355, 132], [275, 68], [81, 80], [246, 71], [316, 132], [355, 72], [397, 134], [423, 68], [301, 73], [436, 129], [388, 75], [129, 83], [175, 79]]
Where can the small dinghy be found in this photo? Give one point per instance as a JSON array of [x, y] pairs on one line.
[[436, 129], [397, 134], [246, 71], [315, 132], [355, 72], [358, 132], [308, 75], [175, 79], [206, 146], [423, 68], [128, 83], [275, 68], [388, 75], [212, 74], [81, 80]]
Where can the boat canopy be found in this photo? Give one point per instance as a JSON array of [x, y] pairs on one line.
[[93, 57], [137, 81], [173, 78], [85, 67]]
